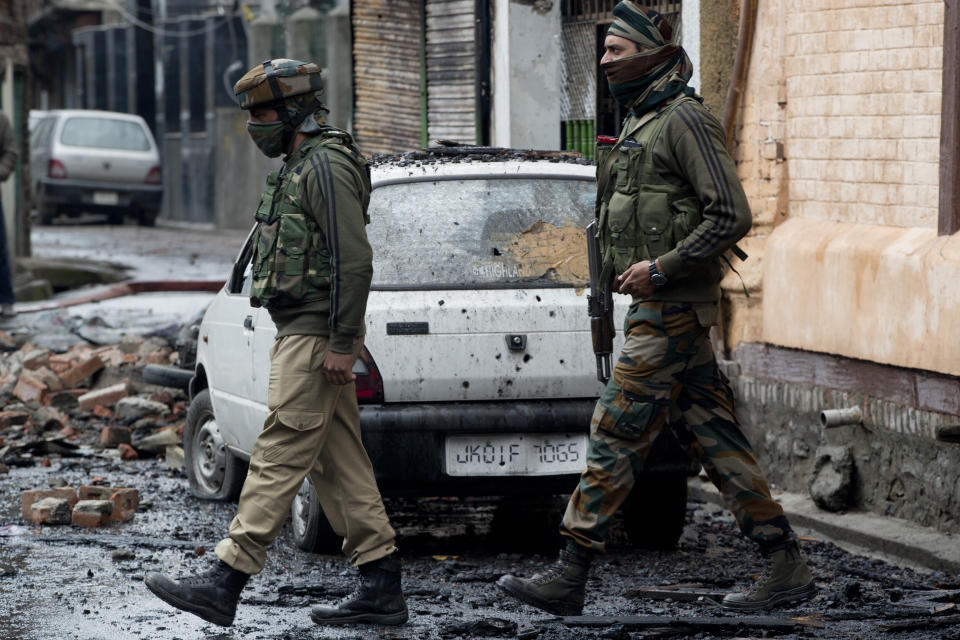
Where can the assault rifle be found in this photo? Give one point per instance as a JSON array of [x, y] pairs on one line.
[[599, 306]]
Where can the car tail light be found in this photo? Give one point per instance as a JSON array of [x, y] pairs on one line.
[[154, 176], [55, 169], [369, 383]]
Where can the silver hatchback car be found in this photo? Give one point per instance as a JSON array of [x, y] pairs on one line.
[[94, 161]]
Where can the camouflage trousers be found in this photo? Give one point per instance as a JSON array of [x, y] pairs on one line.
[[667, 378]]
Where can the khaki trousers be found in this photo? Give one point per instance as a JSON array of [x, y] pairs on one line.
[[313, 427]]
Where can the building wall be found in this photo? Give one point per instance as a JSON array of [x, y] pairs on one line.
[[853, 295], [863, 85], [840, 126]]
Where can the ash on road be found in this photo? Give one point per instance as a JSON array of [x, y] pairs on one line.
[[86, 584]]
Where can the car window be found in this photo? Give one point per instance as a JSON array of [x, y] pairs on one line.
[[41, 133], [104, 133], [488, 232]]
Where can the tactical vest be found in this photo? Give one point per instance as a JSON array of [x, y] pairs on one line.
[[641, 215], [291, 260]]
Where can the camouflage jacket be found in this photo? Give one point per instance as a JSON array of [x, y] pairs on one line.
[[312, 263], [673, 193]]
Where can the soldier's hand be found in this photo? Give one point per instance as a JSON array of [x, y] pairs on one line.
[[337, 368], [635, 281]]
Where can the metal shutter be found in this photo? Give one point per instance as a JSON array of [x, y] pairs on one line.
[[386, 58], [451, 70]]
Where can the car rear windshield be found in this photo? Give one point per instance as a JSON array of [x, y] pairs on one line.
[[104, 133], [495, 232]]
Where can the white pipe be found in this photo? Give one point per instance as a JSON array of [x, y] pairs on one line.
[[840, 417]]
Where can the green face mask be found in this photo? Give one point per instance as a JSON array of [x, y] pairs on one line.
[[268, 136]]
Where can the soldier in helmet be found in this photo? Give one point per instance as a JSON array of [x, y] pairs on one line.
[[669, 205], [311, 270]]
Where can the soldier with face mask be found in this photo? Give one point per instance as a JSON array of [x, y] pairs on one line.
[[312, 267], [669, 204]]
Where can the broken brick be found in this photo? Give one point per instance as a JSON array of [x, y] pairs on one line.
[[125, 500], [72, 376], [114, 436], [104, 397], [111, 356], [51, 511], [36, 359], [28, 498], [127, 452], [49, 378], [45, 462], [30, 389], [59, 364], [102, 412], [92, 513]]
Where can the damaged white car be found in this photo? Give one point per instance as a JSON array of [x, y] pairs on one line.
[[477, 377]]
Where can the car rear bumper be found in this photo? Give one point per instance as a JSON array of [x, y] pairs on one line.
[[79, 195], [406, 444]]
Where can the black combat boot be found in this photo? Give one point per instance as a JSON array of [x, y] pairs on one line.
[[212, 595], [786, 578], [558, 590], [378, 599]]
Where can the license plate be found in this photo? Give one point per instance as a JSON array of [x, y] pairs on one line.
[[515, 454], [105, 197]]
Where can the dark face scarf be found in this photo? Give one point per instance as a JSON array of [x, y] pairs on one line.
[[661, 69], [643, 80]]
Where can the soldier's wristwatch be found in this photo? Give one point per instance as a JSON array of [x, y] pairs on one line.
[[657, 277]]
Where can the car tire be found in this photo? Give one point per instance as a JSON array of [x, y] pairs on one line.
[[311, 529], [214, 472], [115, 218], [656, 510]]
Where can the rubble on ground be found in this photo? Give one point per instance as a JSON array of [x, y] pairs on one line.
[[86, 401]]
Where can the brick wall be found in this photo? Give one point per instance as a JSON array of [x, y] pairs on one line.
[[840, 120], [863, 85]]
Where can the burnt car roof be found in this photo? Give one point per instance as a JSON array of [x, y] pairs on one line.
[[468, 153]]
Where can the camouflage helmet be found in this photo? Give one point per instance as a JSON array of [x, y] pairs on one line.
[[273, 81]]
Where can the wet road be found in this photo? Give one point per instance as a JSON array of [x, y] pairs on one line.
[[86, 584], [150, 253]]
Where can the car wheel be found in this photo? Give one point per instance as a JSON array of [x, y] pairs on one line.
[[311, 529], [656, 509], [213, 471]]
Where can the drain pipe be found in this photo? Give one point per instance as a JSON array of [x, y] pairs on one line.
[[830, 418], [748, 25]]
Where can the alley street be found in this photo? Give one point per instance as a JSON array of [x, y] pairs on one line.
[[86, 583]]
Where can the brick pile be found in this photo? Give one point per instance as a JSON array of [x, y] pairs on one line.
[[87, 399]]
